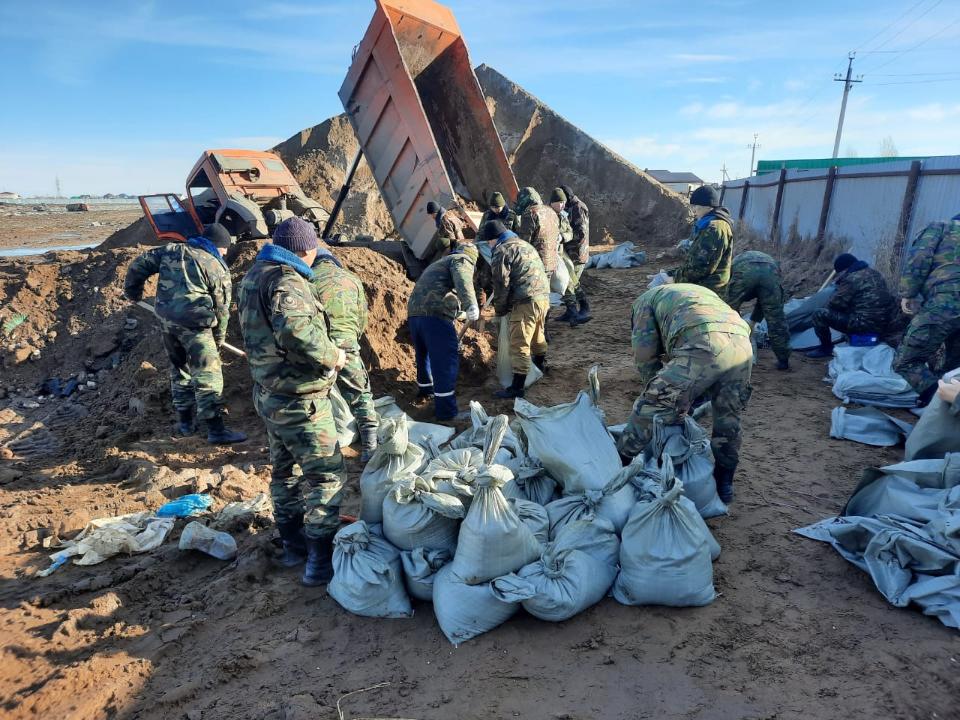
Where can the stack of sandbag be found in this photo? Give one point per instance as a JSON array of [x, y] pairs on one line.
[[865, 375], [421, 433], [687, 447], [531, 482], [511, 451], [613, 503], [367, 575], [415, 515], [395, 457], [666, 551]]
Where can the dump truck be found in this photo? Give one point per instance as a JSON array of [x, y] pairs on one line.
[[422, 121], [248, 191]]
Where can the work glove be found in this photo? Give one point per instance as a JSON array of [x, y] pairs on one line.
[[341, 360], [473, 313], [910, 306], [948, 391]]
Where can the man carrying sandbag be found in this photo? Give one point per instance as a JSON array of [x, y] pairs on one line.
[[708, 355], [930, 286], [345, 305], [756, 276], [443, 293], [294, 363], [574, 293], [521, 291]]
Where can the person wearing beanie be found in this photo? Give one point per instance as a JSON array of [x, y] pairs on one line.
[[578, 248], [294, 364], [862, 304], [345, 305], [193, 305], [521, 294], [540, 227], [448, 235], [498, 209], [930, 288], [709, 258], [573, 292], [444, 292]]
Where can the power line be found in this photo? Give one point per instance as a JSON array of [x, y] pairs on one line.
[[921, 82], [909, 25], [887, 27], [900, 54]]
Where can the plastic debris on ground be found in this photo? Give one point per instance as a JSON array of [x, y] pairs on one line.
[[865, 375], [185, 506], [868, 426], [624, 255], [234, 511], [197, 536], [902, 527], [367, 574]]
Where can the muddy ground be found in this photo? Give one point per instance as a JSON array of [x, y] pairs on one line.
[[796, 632], [23, 227]]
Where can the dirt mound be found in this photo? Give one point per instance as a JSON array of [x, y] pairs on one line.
[[137, 233]]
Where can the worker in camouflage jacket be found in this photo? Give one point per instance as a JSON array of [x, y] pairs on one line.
[[930, 288], [688, 344], [861, 305], [522, 294], [443, 293], [449, 232], [345, 303], [539, 226], [193, 305], [708, 259], [756, 276], [294, 363], [574, 293], [498, 209]]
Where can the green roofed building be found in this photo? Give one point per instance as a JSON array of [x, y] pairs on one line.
[[769, 166]]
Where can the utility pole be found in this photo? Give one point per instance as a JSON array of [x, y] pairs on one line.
[[848, 82], [753, 151], [725, 175], [57, 180]]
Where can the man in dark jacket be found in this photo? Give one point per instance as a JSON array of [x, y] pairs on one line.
[[193, 306], [861, 305], [710, 255], [498, 209]]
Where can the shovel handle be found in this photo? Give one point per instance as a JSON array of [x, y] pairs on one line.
[[226, 346]]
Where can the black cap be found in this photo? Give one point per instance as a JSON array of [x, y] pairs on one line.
[[217, 234], [432, 208], [705, 195], [844, 262], [494, 229]]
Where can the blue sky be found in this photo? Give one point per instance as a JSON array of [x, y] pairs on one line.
[[123, 96]]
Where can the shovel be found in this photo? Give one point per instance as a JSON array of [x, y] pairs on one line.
[[226, 346]]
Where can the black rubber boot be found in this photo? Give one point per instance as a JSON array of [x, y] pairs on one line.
[[584, 304], [294, 544], [570, 315], [541, 362], [186, 424], [823, 351], [924, 398], [724, 479], [368, 441], [516, 388], [783, 364], [220, 434], [319, 568]]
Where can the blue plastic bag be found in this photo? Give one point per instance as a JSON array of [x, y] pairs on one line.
[[185, 506], [864, 340]]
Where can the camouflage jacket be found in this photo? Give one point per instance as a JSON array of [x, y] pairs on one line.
[[284, 327], [507, 216], [566, 230], [934, 263], [518, 274], [862, 291], [193, 290], [540, 226], [578, 248], [446, 287], [344, 301], [448, 235], [668, 317], [710, 255]]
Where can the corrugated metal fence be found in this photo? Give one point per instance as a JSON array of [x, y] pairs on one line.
[[869, 209]]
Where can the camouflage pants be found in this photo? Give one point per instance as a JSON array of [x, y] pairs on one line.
[[826, 319], [301, 432], [937, 324], [718, 370], [195, 371], [764, 287], [527, 322], [354, 384]]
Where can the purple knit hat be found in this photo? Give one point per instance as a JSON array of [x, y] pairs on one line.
[[295, 235]]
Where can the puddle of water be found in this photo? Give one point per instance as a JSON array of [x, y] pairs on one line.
[[26, 251]]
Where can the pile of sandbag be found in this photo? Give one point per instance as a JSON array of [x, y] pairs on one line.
[[865, 375], [539, 515]]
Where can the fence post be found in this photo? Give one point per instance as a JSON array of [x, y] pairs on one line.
[[825, 208], [743, 199], [906, 212], [775, 226]]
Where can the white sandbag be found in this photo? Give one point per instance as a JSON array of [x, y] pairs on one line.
[[661, 278], [394, 458], [574, 572], [865, 375], [504, 366], [665, 554], [688, 447], [531, 482], [465, 611], [453, 472], [624, 255], [421, 433], [534, 516], [420, 567], [416, 516], [571, 440], [612, 504], [560, 279], [343, 419], [475, 435], [367, 575], [867, 425], [493, 541]]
